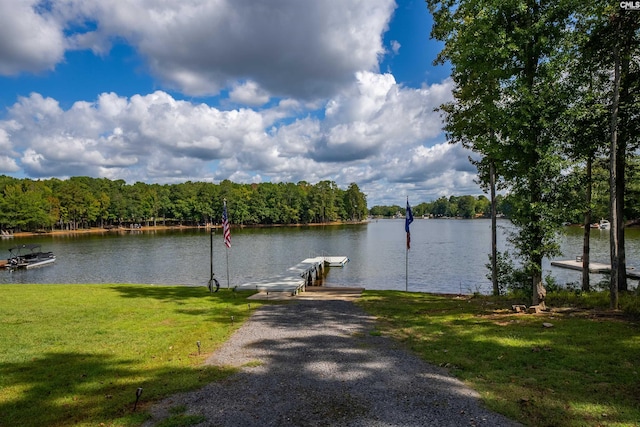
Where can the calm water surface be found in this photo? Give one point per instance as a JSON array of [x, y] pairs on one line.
[[446, 256]]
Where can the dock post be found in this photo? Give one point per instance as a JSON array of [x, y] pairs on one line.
[[211, 260]]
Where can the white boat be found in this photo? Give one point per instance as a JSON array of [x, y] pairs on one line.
[[28, 256], [604, 224]]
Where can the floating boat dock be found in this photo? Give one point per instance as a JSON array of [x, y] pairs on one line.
[[335, 261], [295, 279], [594, 267]]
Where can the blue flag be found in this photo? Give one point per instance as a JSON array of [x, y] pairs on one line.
[[408, 220]]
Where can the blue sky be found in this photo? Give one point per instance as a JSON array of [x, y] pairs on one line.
[[207, 90]]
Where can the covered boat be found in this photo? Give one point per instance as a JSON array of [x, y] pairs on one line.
[[28, 256]]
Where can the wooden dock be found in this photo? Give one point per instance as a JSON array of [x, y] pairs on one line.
[[295, 279], [594, 267]]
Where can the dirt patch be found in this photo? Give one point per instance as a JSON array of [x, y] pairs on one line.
[[505, 316]]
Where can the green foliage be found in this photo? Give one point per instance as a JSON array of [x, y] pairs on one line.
[[515, 282], [386, 211], [510, 63], [355, 203], [512, 280], [82, 202], [453, 206]]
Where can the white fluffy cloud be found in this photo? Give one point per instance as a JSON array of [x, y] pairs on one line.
[[303, 49], [7, 163], [372, 131], [379, 117], [29, 41], [248, 93], [298, 96]]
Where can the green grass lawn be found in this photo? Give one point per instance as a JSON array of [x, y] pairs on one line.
[[582, 371], [77, 354]]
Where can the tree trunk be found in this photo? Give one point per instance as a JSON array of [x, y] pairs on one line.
[[494, 239], [613, 182], [621, 157], [537, 239], [539, 291], [587, 228], [620, 190]]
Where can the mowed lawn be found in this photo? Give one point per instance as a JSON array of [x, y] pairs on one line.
[[77, 354], [567, 367]]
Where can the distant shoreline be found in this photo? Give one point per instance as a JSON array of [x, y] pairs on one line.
[[102, 230]]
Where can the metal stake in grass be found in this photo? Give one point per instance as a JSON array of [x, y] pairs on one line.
[[138, 394], [198, 343], [232, 320]]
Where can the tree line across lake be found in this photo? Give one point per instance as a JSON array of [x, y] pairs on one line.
[[84, 202], [572, 194], [453, 206]]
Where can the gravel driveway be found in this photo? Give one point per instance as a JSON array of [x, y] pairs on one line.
[[319, 365]]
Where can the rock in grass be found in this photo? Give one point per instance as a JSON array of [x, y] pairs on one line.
[[519, 308]]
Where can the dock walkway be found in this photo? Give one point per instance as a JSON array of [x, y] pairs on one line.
[[295, 279], [594, 267]]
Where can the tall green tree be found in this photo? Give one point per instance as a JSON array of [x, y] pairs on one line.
[[77, 203], [27, 205], [355, 203], [441, 207], [610, 53], [584, 123], [621, 32], [467, 206], [506, 59]]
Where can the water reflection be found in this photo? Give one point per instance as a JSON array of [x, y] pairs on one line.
[[447, 256]]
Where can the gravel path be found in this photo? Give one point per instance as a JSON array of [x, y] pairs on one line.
[[319, 365]]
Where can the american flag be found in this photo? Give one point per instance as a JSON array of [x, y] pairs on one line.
[[226, 231]]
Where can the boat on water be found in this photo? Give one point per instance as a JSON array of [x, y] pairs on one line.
[[602, 225], [28, 256]]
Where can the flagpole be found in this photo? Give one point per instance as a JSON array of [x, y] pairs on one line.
[[406, 270], [211, 261], [407, 221], [228, 282], [226, 233]]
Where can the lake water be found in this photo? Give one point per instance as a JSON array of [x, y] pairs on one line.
[[446, 256]]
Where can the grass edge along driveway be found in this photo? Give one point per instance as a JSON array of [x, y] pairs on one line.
[[77, 354], [580, 369]]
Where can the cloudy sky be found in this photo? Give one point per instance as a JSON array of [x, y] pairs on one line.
[[251, 91]]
